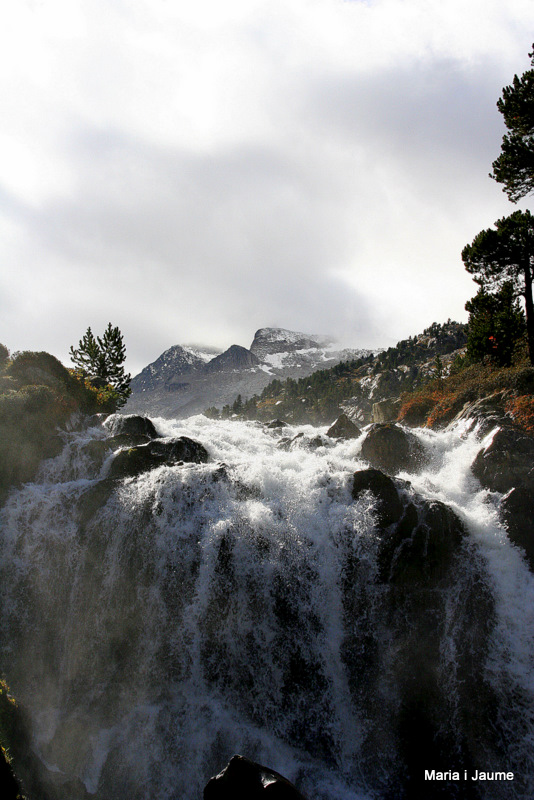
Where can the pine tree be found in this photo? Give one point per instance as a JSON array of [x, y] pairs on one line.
[[506, 254], [515, 166], [102, 359], [495, 324]]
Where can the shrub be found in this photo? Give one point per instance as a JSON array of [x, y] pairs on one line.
[[521, 409]]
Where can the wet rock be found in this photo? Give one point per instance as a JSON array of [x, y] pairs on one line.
[[243, 779], [284, 443], [418, 537], [98, 449], [486, 412], [517, 509], [389, 505], [276, 423], [301, 440], [131, 424], [507, 462], [136, 460], [386, 410], [419, 551], [96, 419], [343, 428], [392, 449], [92, 500]]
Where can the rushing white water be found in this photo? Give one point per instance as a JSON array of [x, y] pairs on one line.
[[155, 626]]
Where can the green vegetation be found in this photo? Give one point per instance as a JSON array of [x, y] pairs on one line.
[[101, 360], [515, 166], [38, 395]]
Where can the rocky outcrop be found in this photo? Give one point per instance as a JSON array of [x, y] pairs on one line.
[[392, 449], [506, 465], [343, 428], [243, 779], [386, 410], [136, 460], [486, 413]]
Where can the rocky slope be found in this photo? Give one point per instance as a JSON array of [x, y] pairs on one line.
[[186, 380]]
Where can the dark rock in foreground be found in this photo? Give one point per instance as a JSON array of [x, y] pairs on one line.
[[131, 424], [136, 460], [242, 779], [343, 428], [392, 449]]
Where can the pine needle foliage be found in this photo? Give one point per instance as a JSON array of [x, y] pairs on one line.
[[101, 359]]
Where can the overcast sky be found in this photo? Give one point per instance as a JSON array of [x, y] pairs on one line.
[[192, 171]]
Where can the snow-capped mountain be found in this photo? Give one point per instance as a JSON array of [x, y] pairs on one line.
[[174, 361], [187, 379]]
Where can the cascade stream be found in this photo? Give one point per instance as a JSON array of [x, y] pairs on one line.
[[155, 625]]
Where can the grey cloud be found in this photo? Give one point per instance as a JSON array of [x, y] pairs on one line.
[[173, 239]]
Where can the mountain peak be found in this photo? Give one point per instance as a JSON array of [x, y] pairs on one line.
[[268, 341]]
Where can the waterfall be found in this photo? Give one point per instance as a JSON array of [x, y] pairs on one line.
[[154, 626]]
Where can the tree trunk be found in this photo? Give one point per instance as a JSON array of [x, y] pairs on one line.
[[529, 310]]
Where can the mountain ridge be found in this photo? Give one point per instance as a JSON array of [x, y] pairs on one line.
[[183, 380]]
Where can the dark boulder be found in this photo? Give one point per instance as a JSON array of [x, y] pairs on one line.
[[343, 428], [276, 423], [389, 505], [419, 551], [243, 779], [517, 511], [136, 460], [131, 424], [418, 537], [507, 462], [392, 449]]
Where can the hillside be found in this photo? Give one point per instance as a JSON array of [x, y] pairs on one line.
[[355, 385]]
